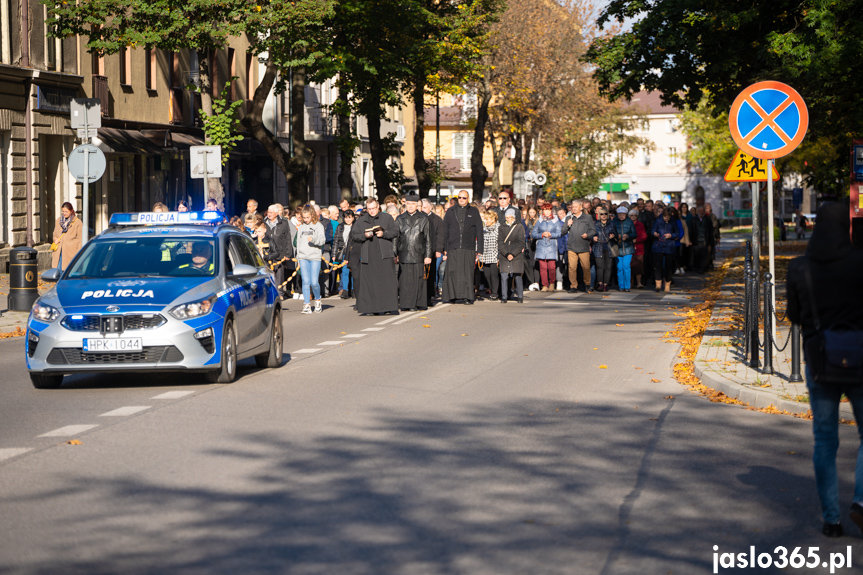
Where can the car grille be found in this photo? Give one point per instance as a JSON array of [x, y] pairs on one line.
[[153, 354], [130, 322]]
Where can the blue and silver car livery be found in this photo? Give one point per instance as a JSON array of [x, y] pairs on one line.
[[157, 292]]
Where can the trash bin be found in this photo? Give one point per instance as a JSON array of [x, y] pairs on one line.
[[23, 278]]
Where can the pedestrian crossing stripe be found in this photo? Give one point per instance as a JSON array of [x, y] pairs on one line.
[[745, 168]]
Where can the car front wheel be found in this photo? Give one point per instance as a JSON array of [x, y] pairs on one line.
[[273, 357], [46, 381], [228, 369]]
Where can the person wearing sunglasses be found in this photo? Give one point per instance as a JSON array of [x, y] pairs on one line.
[[463, 245], [503, 204]]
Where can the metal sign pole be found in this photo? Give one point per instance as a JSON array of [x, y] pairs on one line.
[[206, 179], [85, 203], [770, 227], [84, 228], [756, 231]]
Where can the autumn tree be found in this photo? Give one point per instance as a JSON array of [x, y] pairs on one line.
[[385, 50]]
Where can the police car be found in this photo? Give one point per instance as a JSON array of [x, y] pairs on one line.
[[165, 292]]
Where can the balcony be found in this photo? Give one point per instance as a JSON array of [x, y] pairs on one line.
[[319, 123], [100, 91]]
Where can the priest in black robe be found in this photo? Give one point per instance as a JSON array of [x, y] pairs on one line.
[[414, 247], [373, 234], [463, 241]]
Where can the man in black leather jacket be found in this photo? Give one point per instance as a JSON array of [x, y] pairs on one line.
[[436, 227], [415, 250], [280, 239]]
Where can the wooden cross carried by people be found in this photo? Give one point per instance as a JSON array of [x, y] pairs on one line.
[[261, 245]]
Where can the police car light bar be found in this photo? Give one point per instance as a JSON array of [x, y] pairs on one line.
[[167, 218]]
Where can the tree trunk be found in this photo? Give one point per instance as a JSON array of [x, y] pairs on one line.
[[304, 157], [518, 158], [345, 141], [253, 121], [423, 180], [214, 185], [478, 172], [346, 156], [497, 156], [379, 159]]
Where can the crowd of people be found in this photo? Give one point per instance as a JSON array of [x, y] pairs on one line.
[[408, 253]]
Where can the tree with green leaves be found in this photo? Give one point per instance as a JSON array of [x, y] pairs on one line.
[[286, 34], [384, 50], [220, 127], [687, 49]]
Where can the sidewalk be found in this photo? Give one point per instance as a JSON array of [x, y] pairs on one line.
[[720, 358], [10, 320]]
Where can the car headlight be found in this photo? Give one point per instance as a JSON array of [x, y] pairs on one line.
[[194, 309], [44, 312]]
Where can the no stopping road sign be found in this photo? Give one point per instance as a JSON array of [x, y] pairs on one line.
[[768, 120]]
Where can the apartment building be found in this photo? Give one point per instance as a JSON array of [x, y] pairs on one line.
[[663, 172], [456, 146], [149, 119], [321, 131], [37, 76]]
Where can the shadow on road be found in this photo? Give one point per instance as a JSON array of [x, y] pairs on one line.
[[535, 487]]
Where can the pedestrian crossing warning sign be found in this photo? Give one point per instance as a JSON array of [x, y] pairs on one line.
[[745, 168]]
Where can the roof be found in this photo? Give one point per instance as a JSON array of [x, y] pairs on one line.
[[651, 102], [449, 116]]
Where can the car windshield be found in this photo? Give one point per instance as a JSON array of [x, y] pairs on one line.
[[145, 257]]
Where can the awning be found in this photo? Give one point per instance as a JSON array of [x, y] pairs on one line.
[[116, 141], [615, 187], [185, 141]]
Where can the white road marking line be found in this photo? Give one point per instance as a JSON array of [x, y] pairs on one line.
[[567, 302], [374, 329], [124, 411], [310, 350], [424, 312], [565, 296], [173, 395], [400, 316], [10, 452], [625, 296], [68, 430], [331, 343], [355, 335]]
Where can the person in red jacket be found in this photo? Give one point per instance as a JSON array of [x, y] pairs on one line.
[[637, 264]]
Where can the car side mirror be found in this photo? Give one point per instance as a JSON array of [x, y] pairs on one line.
[[244, 270], [52, 275]]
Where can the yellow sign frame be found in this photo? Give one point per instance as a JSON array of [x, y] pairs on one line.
[[741, 162]]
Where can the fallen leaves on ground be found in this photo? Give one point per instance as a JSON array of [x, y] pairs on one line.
[[17, 333], [689, 333], [426, 325], [73, 442], [654, 380], [618, 325], [603, 366], [668, 397]]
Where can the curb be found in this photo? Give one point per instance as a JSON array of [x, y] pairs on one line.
[[754, 397]]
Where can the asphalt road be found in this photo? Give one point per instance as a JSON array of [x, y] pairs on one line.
[[490, 442]]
